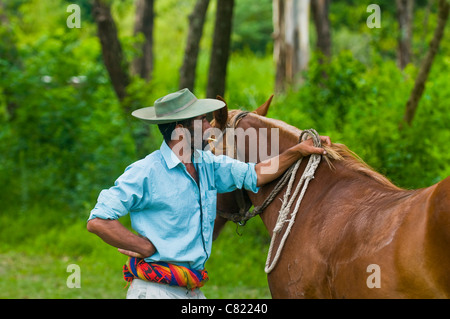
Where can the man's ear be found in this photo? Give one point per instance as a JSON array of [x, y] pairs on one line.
[[180, 132]]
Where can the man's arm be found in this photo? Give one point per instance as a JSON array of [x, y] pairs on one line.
[[114, 233], [286, 159]]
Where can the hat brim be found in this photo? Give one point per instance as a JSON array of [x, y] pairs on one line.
[[199, 107]]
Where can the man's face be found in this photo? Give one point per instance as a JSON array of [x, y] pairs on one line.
[[205, 123], [199, 123]]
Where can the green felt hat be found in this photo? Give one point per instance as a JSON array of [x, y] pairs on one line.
[[177, 106]]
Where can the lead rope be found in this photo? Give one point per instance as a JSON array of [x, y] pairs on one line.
[[308, 174]]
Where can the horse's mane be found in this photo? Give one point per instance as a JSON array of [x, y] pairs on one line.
[[337, 152], [355, 163]]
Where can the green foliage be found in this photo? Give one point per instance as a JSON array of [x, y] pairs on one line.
[[363, 107], [53, 141], [252, 25]]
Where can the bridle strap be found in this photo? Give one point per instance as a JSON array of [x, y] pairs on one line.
[[288, 178], [242, 201]]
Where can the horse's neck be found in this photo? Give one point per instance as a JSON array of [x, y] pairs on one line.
[[359, 188], [287, 137], [324, 176], [277, 136]]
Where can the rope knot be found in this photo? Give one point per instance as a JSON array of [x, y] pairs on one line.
[[277, 228]]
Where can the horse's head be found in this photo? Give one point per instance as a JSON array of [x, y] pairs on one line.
[[250, 137], [238, 135], [236, 203]]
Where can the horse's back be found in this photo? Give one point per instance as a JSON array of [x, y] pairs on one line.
[[402, 241]]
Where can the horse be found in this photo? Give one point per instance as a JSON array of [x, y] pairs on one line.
[[356, 234]]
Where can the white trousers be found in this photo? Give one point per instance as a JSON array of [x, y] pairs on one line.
[[141, 289]]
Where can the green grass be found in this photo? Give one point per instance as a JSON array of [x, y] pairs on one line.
[[38, 245]]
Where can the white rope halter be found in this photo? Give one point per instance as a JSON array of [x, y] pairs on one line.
[[308, 174]]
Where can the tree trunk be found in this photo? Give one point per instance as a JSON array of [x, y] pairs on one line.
[[424, 71], [196, 22], [221, 49], [143, 65], [291, 36], [405, 20], [291, 39], [279, 48], [302, 7], [111, 48], [425, 25], [320, 11]]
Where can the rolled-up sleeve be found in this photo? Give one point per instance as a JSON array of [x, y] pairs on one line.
[[244, 176], [126, 195], [231, 174]]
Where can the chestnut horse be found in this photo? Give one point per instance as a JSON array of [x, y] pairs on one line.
[[356, 235]]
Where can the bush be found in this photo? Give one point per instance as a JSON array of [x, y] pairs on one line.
[[66, 135]]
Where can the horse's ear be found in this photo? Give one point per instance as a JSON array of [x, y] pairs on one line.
[[221, 115], [263, 109]]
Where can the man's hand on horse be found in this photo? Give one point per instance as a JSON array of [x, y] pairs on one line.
[[307, 147], [282, 162]]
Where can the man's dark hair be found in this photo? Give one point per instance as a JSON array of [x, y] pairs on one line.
[[167, 129]]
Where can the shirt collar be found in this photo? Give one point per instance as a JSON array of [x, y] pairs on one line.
[[171, 159]]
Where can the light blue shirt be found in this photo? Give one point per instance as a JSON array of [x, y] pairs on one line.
[[167, 206]]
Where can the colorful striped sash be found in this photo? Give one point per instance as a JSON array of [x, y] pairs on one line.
[[165, 273]]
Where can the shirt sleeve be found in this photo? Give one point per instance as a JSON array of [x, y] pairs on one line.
[[126, 194], [230, 174]]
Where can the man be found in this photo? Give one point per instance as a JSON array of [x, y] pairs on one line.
[[171, 197]]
